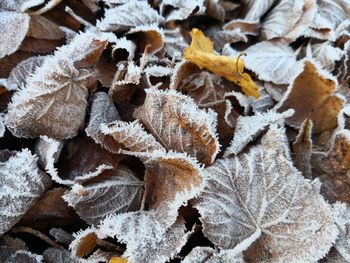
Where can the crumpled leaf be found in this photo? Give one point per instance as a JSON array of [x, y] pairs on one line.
[[326, 54], [144, 236], [22, 184], [302, 148], [120, 191], [250, 128], [55, 255], [129, 15], [37, 109], [174, 43], [178, 124], [259, 195], [275, 62], [201, 53], [13, 29], [219, 8], [317, 102]]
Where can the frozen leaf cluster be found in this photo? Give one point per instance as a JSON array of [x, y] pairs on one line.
[[174, 131]]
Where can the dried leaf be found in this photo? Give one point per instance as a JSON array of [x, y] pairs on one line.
[[317, 102], [20, 256], [129, 15], [102, 111], [326, 54], [342, 219], [181, 9], [118, 192], [259, 195], [281, 20], [251, 127], [61, 236], [118, 260], [174, 43], [84, 242], [219, 8], [171, 179], [145, 237], [42, 28], [302, 149], [55, 255], [37, 109], [337, 160], [131, 136], [201, 53], [19, 74], [257, 8], [178, 124], [43, 212], [22, 184], [275, 62], [13, 29], [209, 255]]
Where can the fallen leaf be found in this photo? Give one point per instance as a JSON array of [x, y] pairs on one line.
[[118, 260], [302, 148], [201, 53], [37, 109], [259, 195], [118, 192], [55, 255], [318, 102], [42, 28], [13, 29], [22, 184], [181, 9], [275, 62], [178, 124]]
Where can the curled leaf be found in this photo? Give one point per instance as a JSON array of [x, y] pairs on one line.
[[201, 52]]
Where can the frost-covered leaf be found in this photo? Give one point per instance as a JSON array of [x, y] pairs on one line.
[[146, 239], [13, 29], [343, 70], [84, 242], [342, 219], [149, 37], [178, 124], [171, 180], [2, 125], [326, 54], [118, 192], [131, 136], [124, 44], [174, 43], [55, 255], [129, 15], [317, 102], [19, 74], [61, 236], [102, 111], [250, 128], [257, 8], [264, 103], [282, 19], [272, 61], [54, 100], [20, 256], [182, 9], [22, 183], [42, 28], [219, 8], [337, 160], [302, 149], [259, 195], [209, 255]]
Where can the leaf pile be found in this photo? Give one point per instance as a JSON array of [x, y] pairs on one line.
[[175, 131]]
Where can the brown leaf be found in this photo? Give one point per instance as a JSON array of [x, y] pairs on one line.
[[316, 102], [84, 243], [118, 192], [37, 109], [42, 28], [178, 124], [50, 210], [302, 149]]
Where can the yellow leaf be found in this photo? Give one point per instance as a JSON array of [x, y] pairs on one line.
[[201, 53], [118, 260]]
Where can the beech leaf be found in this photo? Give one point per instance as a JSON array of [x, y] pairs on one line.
[[260, 195]]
